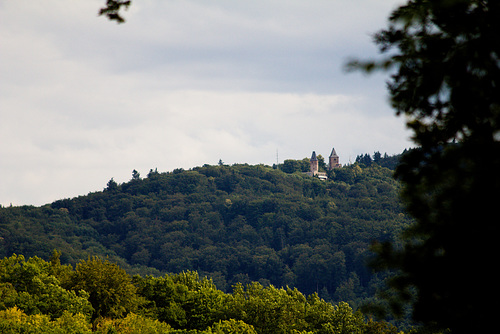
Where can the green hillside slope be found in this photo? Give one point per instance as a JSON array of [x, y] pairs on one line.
[[237, 223]]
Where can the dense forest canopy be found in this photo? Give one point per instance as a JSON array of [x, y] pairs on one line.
[[443, 58], [235, 224], [98, 296]]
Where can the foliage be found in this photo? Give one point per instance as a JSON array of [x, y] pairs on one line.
[[178, 303], [13, 321], [112, 10], [132, 324], [234, 224], [31, 287], [446, 80], [182, 300], [110, 288], [232, 326], [387, 161]]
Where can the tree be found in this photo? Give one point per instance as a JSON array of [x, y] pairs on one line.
[[110, 288], [445, 60], [239, 223], [290, 166], [112, 185], [14, 320], [364, 159], [30, 286], [185, 301], [232, 326], [321, 163], [136, 175], [133, 323]]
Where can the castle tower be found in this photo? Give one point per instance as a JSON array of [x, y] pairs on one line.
[[334, 160], [314, 164]]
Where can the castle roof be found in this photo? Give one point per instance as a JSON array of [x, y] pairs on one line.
[[333, 154], [313, 157]]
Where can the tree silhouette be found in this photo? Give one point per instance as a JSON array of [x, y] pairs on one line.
[[444, 57], [112, 10]]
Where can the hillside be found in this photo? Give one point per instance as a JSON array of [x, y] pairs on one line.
[[237, 223]]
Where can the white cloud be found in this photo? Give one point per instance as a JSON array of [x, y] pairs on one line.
[[181, 84], [191, 128]]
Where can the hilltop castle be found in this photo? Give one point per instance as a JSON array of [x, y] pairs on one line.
[[333, 162]]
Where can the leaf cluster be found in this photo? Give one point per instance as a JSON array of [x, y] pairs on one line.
[[112, 10], [176, 303]]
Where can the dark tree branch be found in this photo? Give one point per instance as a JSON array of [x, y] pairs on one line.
[[112, 10]]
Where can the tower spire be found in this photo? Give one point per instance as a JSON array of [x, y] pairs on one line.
[[314, 164], [333, 160]]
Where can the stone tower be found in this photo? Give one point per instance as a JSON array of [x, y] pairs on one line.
[[314, 164], [334, 160]]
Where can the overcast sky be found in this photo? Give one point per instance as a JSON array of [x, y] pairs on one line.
[[182, 84]]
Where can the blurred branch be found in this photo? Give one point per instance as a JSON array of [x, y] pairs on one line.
[[112, 9]]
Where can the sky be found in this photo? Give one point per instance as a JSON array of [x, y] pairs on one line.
[[181, 84]]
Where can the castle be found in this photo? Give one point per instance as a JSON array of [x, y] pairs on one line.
[[332, 163]]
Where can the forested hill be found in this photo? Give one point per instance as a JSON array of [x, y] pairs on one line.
[[237, 223]]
